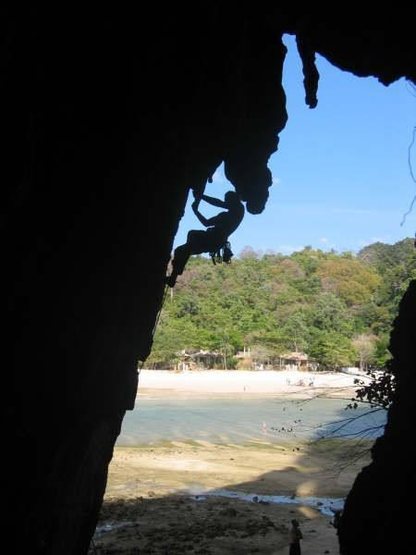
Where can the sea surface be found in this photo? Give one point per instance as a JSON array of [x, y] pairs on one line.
[[241, 420]]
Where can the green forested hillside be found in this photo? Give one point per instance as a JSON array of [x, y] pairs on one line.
[[336, 307]]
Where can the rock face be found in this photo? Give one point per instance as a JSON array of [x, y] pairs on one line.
[[107, 123], [376, 509]]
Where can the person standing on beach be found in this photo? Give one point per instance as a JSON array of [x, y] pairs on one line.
[[337, 518], [295, 537]]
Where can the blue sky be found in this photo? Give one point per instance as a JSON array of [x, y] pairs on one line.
[[341, 177]]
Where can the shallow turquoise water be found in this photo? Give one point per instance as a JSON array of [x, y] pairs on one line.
[[241, 420]]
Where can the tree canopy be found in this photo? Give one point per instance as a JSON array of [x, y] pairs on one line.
[[336, 307]]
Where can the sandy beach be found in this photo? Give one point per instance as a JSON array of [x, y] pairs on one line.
[[284, 383], [194, 497]]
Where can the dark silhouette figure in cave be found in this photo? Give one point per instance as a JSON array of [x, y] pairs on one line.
[[219, 228]]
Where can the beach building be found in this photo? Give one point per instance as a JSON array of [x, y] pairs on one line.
[[199, 360], [296, 360]]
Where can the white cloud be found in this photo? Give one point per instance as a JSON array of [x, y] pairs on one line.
[[288, 249], [327, 243]]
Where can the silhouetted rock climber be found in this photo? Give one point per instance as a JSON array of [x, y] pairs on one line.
[[220, 227]]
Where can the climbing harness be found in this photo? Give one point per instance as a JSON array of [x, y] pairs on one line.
[[223, 254]]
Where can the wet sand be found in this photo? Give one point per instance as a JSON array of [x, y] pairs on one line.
[[155, 502]]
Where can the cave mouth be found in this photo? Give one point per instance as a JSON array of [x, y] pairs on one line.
[[220, 184], [104, 131]]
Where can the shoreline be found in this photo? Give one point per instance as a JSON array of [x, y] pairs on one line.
[[292, 468], [200, 497]]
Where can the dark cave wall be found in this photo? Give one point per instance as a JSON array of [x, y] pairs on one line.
[[377, 508], [104, 134], [106, 125], [89, 223]]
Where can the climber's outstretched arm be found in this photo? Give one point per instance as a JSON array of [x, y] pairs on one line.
[[214, 201], [204, 221]]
